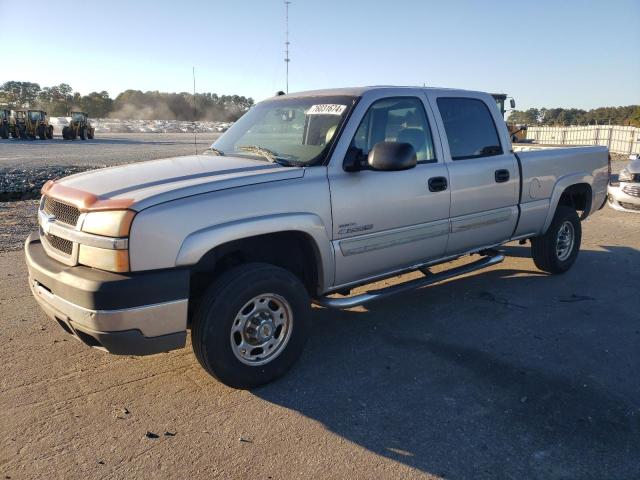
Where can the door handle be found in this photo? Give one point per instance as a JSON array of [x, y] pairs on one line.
[[502, 176], [437, 184]]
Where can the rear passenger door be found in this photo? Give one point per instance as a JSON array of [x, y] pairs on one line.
[[483, 172]]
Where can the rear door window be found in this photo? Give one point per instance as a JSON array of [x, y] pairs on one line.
[[470, 128]]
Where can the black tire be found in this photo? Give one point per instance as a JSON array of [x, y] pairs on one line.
[[83, 133], [90, 133], [4, 132], [50, 133], [215, 316], [42, 132], [545, 248]]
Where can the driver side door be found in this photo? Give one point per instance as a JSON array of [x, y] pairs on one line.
[[386, 221]]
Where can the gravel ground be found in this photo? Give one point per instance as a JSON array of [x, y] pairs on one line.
[[26, 165], [17, 221], [105, 149]]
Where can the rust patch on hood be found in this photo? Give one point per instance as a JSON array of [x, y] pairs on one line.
[[83, 201]]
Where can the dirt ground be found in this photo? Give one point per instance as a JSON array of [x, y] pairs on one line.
[[507, 373], [504, 373]]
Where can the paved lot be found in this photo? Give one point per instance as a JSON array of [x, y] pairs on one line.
[[105, 149], [508, 373]]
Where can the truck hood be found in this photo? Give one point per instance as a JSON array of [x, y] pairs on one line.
[[141, 185]]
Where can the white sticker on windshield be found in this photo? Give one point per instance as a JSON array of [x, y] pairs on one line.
[[326, 109]]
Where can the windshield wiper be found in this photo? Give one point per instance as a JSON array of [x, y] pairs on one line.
[[270, 155], [214, 151]]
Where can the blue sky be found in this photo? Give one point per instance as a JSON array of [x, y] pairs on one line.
[[545, 53]]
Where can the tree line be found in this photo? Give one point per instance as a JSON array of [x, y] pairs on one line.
[[60, 100], [629, 115]]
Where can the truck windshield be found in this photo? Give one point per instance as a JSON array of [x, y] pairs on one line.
[[292, 131]]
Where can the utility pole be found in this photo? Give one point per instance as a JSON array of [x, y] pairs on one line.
[[286, 42]]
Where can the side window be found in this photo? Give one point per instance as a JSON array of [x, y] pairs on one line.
[[401, 119], [470, 128]]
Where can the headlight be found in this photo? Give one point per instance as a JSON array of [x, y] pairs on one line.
[[111, 223], [104, 259], [625, 176]]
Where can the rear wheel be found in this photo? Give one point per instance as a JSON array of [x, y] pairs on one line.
[[50, 132], [557, 250], [42, 132], [251, 325], [90, 133], [83, 133], [4, 132]]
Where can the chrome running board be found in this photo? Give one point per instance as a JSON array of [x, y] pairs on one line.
[[362, 298]]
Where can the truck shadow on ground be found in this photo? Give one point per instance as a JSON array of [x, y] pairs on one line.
[[505, 374]]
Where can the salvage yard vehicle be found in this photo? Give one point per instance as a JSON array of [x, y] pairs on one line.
[[305, 197], [7, 124], [33, 123], [624, 189], [79, 126]]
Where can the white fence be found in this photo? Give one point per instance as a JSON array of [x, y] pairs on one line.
[[619, 139]]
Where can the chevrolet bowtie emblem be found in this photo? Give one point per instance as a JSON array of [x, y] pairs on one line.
[[46, 226]]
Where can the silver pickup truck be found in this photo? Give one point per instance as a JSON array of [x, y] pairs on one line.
[[307, 196]]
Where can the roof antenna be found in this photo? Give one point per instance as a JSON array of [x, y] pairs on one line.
[[195, 112], [286, 42]]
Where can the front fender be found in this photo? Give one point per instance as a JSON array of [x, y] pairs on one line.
[[561, 185], [198, 243]]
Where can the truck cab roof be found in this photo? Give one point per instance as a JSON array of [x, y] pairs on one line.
[[360, 91]]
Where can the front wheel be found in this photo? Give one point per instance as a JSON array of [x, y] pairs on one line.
[[556, 250], [251, 325]]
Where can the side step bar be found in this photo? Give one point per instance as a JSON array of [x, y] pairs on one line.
[[360, 299]]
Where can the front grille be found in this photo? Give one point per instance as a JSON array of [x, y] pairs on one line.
[[64, 213], [630, 206], [61, 244], [633, 190]]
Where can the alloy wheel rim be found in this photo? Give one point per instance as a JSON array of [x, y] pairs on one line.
[[261, 329]]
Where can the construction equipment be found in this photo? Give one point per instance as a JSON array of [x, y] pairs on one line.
[[517, 132], [30, 124], [7, 123], [78, 127]]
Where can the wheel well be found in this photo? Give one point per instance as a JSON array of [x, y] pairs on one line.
[[579, 197], [291, 250]]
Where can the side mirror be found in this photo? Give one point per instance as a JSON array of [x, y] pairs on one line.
[[512, 103], [392, 156]]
